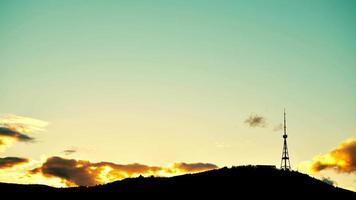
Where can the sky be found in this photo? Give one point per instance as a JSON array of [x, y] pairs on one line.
[[164, 82]]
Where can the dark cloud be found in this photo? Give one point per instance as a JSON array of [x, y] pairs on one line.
[[256, 121], [78, 172], [341, 159], [71, 171], [8, 132], [69, 151], [8, 136], [9, 162]]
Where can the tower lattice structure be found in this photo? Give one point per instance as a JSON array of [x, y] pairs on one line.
[[285, 163]]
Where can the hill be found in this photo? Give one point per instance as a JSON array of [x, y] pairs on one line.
[[235, 182]]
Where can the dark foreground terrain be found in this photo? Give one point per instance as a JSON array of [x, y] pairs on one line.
[[243, 182]]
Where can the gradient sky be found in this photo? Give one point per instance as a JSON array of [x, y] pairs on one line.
[[158, 82]]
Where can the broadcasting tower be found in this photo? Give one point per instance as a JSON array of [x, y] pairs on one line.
[[285, 164]]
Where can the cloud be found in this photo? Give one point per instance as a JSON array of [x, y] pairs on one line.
[[9, 136], [71, 171], [69, 151], [7, 132], [22, 124], [16, 128], [84, 173], [194, 167], [256, 121], [341, 159], [9, 162], [278, 127], [75, 149]]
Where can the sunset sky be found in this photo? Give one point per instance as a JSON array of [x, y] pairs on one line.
[[163, 82]]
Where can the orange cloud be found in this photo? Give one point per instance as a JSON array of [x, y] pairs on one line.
[[341, 159], [84, 173], [193, 167], [9, 162]]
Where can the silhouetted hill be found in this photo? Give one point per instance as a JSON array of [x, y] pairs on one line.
[[233, 183]]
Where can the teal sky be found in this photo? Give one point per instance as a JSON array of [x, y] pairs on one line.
[[164, 81]]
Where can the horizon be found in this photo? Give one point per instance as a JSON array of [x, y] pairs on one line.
[[101, 91]]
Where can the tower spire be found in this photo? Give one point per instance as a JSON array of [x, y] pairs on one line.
[[284, 124], [285, 163]]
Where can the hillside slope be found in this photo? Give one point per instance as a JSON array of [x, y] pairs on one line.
[[235, 183]]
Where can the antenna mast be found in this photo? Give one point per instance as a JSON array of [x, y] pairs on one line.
[[285, 163]]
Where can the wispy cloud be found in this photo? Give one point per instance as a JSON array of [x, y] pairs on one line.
[[16, 128], [256, 121], [278, 127], [80, 172], [69, 151], [22, 124]]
